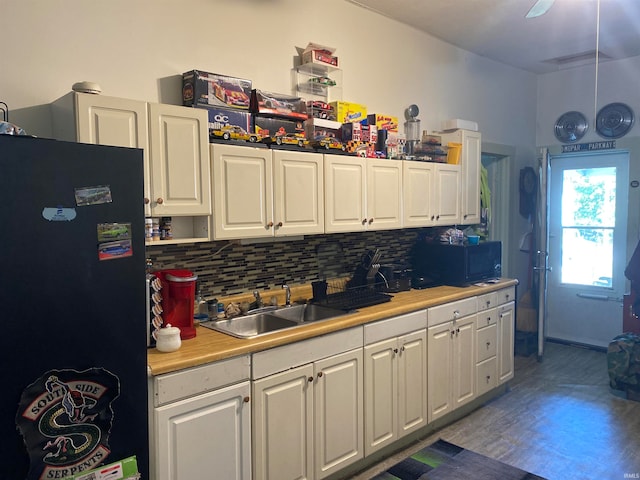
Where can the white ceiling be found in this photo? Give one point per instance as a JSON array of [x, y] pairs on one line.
[[498, 29]]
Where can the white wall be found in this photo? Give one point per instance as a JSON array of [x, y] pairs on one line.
[[138, 49], [574, 89]]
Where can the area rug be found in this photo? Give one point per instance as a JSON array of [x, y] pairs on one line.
[[445, 461]]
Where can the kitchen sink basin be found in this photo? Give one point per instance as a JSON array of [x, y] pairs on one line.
[[251, 326], [270, 320], [308, 313]]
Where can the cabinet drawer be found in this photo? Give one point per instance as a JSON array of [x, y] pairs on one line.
[[193, 381], [486, 318], [451, 311], [506, 295], [394, 327], [293, 355], [487, 341], [486, 375], [487, 301]]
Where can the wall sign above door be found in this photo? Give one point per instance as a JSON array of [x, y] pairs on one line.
[[580, 147]]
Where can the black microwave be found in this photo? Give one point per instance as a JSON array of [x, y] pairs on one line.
[[457, 264]]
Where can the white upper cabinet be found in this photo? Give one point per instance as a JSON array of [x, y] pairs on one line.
[[264, 193], [362, 194], [470, 166], [179, 143]]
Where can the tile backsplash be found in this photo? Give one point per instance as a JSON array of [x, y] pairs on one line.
[[228, 268]]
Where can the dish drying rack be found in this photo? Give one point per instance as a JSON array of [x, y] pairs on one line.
[[4, 112], [343, 294]]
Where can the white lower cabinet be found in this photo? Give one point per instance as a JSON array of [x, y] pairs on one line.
[[395, 379], [202, 435], [307, 418], [451, 345], [506, 339]]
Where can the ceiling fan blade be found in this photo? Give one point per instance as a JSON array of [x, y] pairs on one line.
[[539, 8]]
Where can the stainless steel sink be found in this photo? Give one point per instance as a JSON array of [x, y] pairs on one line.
[[308, 313], [272, 320], [251, 326]]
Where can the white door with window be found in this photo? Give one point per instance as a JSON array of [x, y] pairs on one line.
[[587, 246]]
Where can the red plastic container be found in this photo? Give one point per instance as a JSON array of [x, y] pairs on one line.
[[178, 297]]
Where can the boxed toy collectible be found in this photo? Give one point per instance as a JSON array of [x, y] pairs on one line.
[[320, 55], [271, 127], [347, 112], [278, 104], [204, 88], [359, 133], [224, 117], [383, 122], [318, 128]]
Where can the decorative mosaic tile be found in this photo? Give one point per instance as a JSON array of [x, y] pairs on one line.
[[243, 268]]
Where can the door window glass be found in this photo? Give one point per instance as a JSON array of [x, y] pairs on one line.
[[588, 222]]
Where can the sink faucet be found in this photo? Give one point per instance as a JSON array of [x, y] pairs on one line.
[[258, 302], [287, 295]]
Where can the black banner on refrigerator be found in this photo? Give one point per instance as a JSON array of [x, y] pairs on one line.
[[65, 419]]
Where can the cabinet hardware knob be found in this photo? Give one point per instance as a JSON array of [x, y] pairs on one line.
[[364, 221], [488, 344], [146, 201], [452, 333], [395, 350], [457, 331], [456, 314], [507, 296], [319, 374], [488, 302], [403, 348], [279, 224], [488, 378], [370, 221], [437, 217], [310, 379], [432, 217], [246, 399], [160, 201], [269, 224], [488, 320]]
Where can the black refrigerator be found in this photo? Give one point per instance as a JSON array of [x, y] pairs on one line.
[[73, 357]]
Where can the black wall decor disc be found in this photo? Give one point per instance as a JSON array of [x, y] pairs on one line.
[[614, 120], [571, 127]]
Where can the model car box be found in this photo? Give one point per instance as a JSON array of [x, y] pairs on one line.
[[319, 128], [222, 117], [357, 132], [383, 122], [319, 54], [278, 105], [204, 88], [266, 126], [347, 112]]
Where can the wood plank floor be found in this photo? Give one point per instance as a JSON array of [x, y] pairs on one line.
[[559, 420]]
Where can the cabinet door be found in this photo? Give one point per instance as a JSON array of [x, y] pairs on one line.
[[470, 166], [418, 191], [205, 437], [243, 197], [180, 171], [345, 194], [114, 121], [380, 394], [412, 382], [339, 438], [464, 360], [506, 319], [470, 177], [384, 194], [447, 194], [298, 180], [440, 369], [283, 426]]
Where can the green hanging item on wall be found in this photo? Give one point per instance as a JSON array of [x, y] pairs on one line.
[[485, 193]]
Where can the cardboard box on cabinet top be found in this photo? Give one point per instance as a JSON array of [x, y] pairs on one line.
[[204, 88]]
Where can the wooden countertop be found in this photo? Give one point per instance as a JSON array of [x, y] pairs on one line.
[[210, 346]]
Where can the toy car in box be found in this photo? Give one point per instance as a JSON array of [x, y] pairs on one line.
[[270, 127], [233, 132], [278, 104], [221, 118], [204, 88], [319, 54], [319, 109]]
